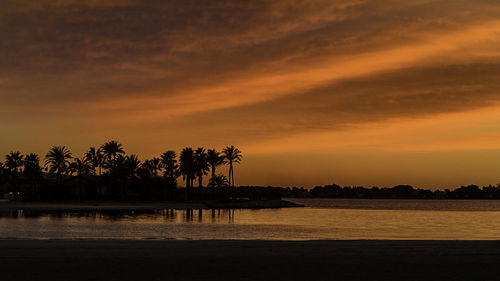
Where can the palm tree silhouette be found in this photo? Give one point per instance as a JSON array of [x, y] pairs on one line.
[[32, 167], [2, 173], [232, 156], [201, 164], [215, 159], [155, 178], [111, 150], [32, 171], [132, 165], [14, 162], [57, 159], [218, 181], [147, 168], [31, 159], [201, 168], [124, 170], [168, 161], [187, 169], [80, 166], [118, 165], [153, 166], [96, 159]]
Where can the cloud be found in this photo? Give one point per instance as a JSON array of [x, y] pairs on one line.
[[324, 90], [277, 67], [143, 49], [408, 93]]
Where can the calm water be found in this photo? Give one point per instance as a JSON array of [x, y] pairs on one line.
[[321, 219]]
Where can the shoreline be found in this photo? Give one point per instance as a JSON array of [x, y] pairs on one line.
[[249, 260], [143, 206]]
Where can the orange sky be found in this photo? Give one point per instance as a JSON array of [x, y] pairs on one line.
[[313, 92]]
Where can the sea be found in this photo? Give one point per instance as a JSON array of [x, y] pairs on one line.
[[320, 219]]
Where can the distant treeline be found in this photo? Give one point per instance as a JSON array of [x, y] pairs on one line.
[[396, 192]]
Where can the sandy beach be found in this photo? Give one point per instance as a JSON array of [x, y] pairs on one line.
[[248, 260]]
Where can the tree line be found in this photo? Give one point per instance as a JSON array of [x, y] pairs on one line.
[[396, 192], [125, 176]]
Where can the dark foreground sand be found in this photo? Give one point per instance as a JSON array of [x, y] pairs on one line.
[[249, 260]]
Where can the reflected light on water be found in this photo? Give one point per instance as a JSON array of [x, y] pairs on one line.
[[376, 219]]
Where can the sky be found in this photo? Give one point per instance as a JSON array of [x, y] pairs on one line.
[[314, 92]]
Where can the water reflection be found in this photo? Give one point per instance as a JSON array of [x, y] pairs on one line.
[[426, 221], [168, 215]]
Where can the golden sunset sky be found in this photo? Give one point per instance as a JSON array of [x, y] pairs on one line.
[[312, 92]]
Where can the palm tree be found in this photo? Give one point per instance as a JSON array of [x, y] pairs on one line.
[[2, 173], [58, 160], [218, 181], [232, 156], [111, 150], [32, 167], [201, 165], [187, 169], [30, 159], [80, 166], [201, 168], [123, 171], [14, 162], [96, 159], [118, 165], [112, 160], [147, 169], [153, 166], [215, 159], [132, 165], [32, 171], [168, 162]]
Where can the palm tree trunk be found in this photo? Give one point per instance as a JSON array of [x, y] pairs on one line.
[[200, 183], [192, 186], [79, 188], [232, 174], [231, 185], [229, 176], [213, 176], [188, 188]]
